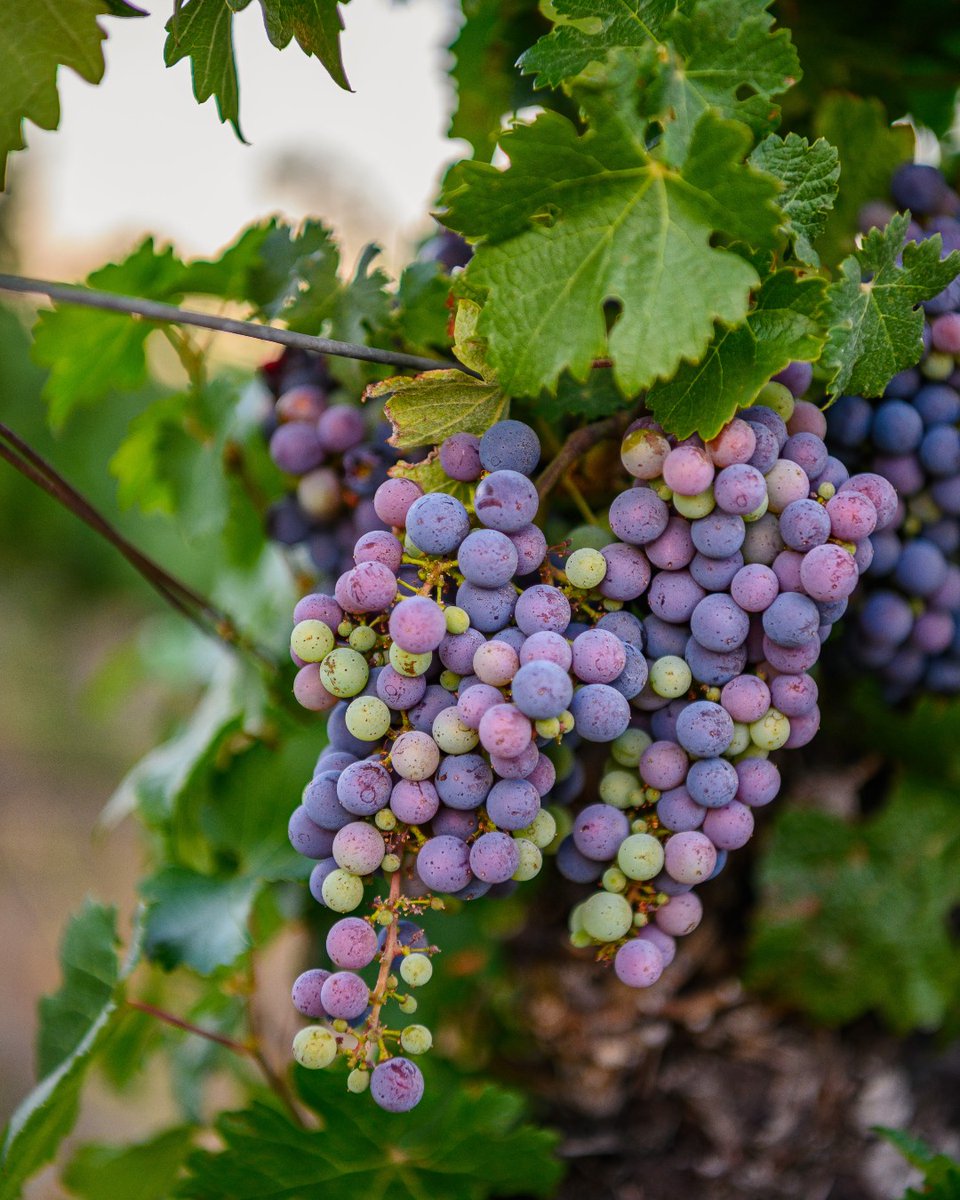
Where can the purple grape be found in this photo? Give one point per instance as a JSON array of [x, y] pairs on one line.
[[759, 781], [638, 516], [625, 625], [791, 620], [712, 782], [489, 609], [663, 765], [512, 804], [598, 831], [531, 547], [400, 692], [460, 457], [379, 546], [463, 780], [678, 811], [601, 714], [715, 574], [510, 446], [364, 787], [674, 595], [746, 698], [393, 499], [450, 822], [704, 729], [673, 549], [423, 715], [417, 624], [506, 501], [719, 624], [504, 730], [344, 995], [437, 523], [351, 944], [633, 678], [740, 489], [718, 535], [296, 447], [358, 848], [638, 963], [368, 587], [541, 689], [396, 1085], [807, 451], [804, 524], [306, 837], [575, 866], [494, 857], [414, 801], [548, 646], [689, 857], [305, 993], [487, 557], [598, 657], [319, 873], [443, 863], [340, 428], [711, 667]]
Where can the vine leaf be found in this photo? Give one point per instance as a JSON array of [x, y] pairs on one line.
[[316, 25], [578, 221], [196, 920], [876, 324], [37, 37], [941, 1174], [47, 1115], [429, 407], [147, 1170], [202, 30], [698, 56], [783, 326], [809, 175], [460, 1141]]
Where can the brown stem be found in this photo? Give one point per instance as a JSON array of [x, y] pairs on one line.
[[188, 1027], [386, 956], [578, 443]]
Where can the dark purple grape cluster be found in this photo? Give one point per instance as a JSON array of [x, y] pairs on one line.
[[735, 559], [453, 659], [337, 453], [907, 623]]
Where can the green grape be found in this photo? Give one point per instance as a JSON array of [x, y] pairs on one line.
[[416, 969], [826, 491], [311, 640], [384, 916], [410, 547], [408, 1005], [564, 824], [342, 891], [358, 1081], [693, 507], [586, 568], [391, 863], [622, 789], [640, 856], [778, 397], [450, 733], [416, 1039], [457, 619], [640, 919], [606, 916], [613, 880], [548, 728], [581, 939], [562, 758], [938, 366], [670, 677], [345, 627], [590, 537], [363, 638], [612, 605], [531, 860], [665, 493], [740, 741], [629, 747], [344, 672], [566, 721], [450, 680], [759, 511], [314, 1047], [407, 663], [541, 831], [771, 731], [385, 820], [367, 718], [575, 919], [638, 826], [751, 751]]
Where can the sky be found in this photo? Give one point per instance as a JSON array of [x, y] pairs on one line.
[[137, 154]]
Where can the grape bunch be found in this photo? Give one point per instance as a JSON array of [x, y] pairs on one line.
[[337, 453], [448, 663], [907, 626], [741, 553]]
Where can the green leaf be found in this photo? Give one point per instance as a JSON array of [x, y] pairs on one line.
[[316, 25], [702, 56], [88, 956], [782, 327], [870, 151], [876, 324], [422, 316], [941, 1173], [36, 38], [142, 1171], [202, 30], [809, 175], [579, 220], [460, 1143], [856, 918], [429, 474], [597, 397], [196, 920], [47, 1115]]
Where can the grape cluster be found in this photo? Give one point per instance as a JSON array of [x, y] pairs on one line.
[[907, 626], [448, 663], [337, 453], [735, 559]]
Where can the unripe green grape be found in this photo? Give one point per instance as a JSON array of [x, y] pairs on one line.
[[311, 640], [450, 733], [694, 507], [629, 747], [548, 728], [937, 365], [712, 694], [562, 758], [665, 493], [566, 721], [391, 863], [541, 830], [826, 491], [457, 619], [342, 891], [384, 916], [449, 680], [363, 638], [340, 1025], [385, 820], [640, 856], [408, 1005], [314, 1047], [416, 1039], [771, 731], [588, 537], [670, 677], [345, 627], [410, 547], [575, 919], [409, 664], [367, 718], [344, 672], [778, 397], [612, 605], [740, 740], [358, 1081], [640, 919], [613, 880], [622, 789], [564, 823], [581, 939], [751, 751], [531, 860], [607, 916], [638, 826], [586, 568], [416, 969], [758, 512]]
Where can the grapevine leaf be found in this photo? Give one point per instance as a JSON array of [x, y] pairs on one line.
[[809, 175], [429, 474], [88, 955], [316, 25], [856, 918], [37, 37], [597, 397], [142, 1171], [196, 920], [202, 30], [422, 317], [871, 151], [782, 327], [941, 1174], [120, 8], [580, 220], [459, 1143], [700, 56], [47, 1115], [875, 321]]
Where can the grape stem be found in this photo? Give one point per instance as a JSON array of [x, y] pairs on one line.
[[152, 310], [386, 957], [577, 444], [189, 603]]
